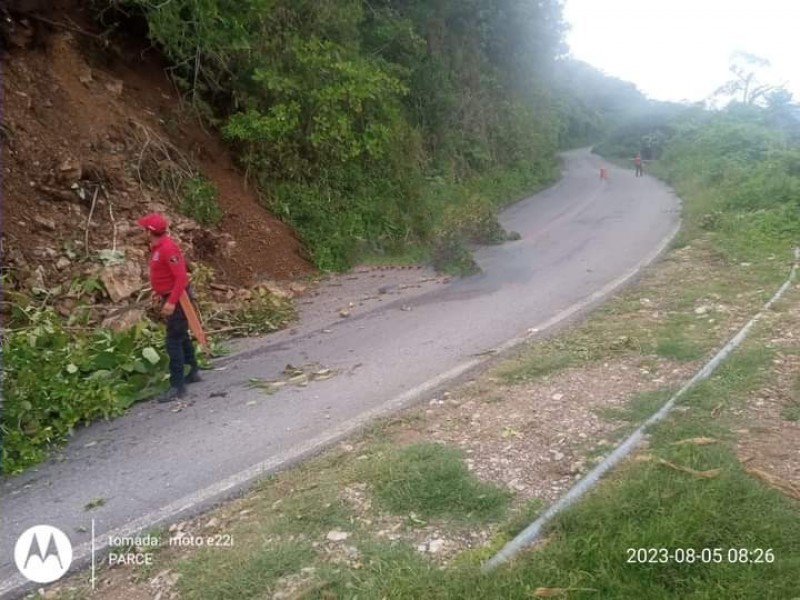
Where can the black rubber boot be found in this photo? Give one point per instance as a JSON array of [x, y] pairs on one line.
[[171, 394]]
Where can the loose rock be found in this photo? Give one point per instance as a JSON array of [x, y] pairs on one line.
[[122, 280], [124, 320], [336, 535]]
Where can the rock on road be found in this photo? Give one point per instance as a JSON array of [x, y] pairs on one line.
[[581, 238]]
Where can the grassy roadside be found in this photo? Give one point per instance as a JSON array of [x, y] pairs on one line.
[[411, 508]]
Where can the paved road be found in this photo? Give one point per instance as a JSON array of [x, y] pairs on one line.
[[580, 239]]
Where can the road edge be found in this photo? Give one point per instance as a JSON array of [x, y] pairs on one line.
[[237, 484]]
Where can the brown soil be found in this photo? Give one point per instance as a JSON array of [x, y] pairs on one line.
[[534, 438], [769, 443], [74, 116]]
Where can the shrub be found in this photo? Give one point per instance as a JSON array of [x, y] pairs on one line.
[[54, 379], [200, 201]]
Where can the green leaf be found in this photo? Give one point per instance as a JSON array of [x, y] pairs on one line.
[[151, 355], [99, 374]]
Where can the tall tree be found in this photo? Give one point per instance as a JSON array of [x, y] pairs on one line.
[[745, 86]]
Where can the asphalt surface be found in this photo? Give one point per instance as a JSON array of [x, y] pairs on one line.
[[581, 239]]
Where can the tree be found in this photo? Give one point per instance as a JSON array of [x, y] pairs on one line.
[[782, 112], [745, 86]]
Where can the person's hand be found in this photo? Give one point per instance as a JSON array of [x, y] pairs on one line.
[[167, 309]]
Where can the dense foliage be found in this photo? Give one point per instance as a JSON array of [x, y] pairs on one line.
[[743, 174], [345, 112], [54, 380]]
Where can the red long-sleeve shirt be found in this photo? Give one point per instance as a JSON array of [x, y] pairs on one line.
[[167, 269]]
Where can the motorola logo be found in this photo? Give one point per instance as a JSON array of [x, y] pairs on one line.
[[43, 553]]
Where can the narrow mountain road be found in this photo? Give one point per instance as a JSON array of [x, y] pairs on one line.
[[581, 239]]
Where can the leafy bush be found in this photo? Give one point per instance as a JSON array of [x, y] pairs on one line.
[[451, 255], [740, 177], [200, 201], [54, 379]]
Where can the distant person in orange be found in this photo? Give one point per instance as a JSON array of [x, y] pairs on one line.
[[638, 163]]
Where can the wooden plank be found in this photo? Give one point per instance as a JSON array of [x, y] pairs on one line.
[[195, 325]]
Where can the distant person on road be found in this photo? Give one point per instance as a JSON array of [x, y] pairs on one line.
[[604, 173], [638, 164], [169, 279]]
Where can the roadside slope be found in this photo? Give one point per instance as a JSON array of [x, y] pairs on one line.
[[77, 116]]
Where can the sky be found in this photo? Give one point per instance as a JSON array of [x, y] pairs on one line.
[[681, 49]]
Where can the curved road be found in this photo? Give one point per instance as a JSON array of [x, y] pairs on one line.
[[580, 239]]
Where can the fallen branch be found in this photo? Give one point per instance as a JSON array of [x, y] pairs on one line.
[[141, 157], [170, 165], [89, 221], [543, 592], [113, 220], [223, 330], [709, 474], [787, 487], [70, 27], [695, 441], [58, 194]]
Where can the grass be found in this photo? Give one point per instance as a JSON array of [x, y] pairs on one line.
[[649, 505], [678, 349], [639, 407], [281, 527], [791, 412], [215, 575], [312, 512], [652, 506], [405, 255], [432, 480], [643, 505]]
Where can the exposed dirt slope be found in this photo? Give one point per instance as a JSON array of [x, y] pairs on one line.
[[80, 118]]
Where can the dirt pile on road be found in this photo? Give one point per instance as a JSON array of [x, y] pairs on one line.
[[95, 135]]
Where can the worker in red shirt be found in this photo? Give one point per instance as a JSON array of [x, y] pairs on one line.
[[169, 279]]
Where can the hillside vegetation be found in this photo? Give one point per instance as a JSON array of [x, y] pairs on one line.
[[368, 126]]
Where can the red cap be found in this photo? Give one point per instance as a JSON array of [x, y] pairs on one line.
[[154, 222]]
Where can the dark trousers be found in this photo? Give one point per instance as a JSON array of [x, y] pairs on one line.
[[180, 348], [639, 170]]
